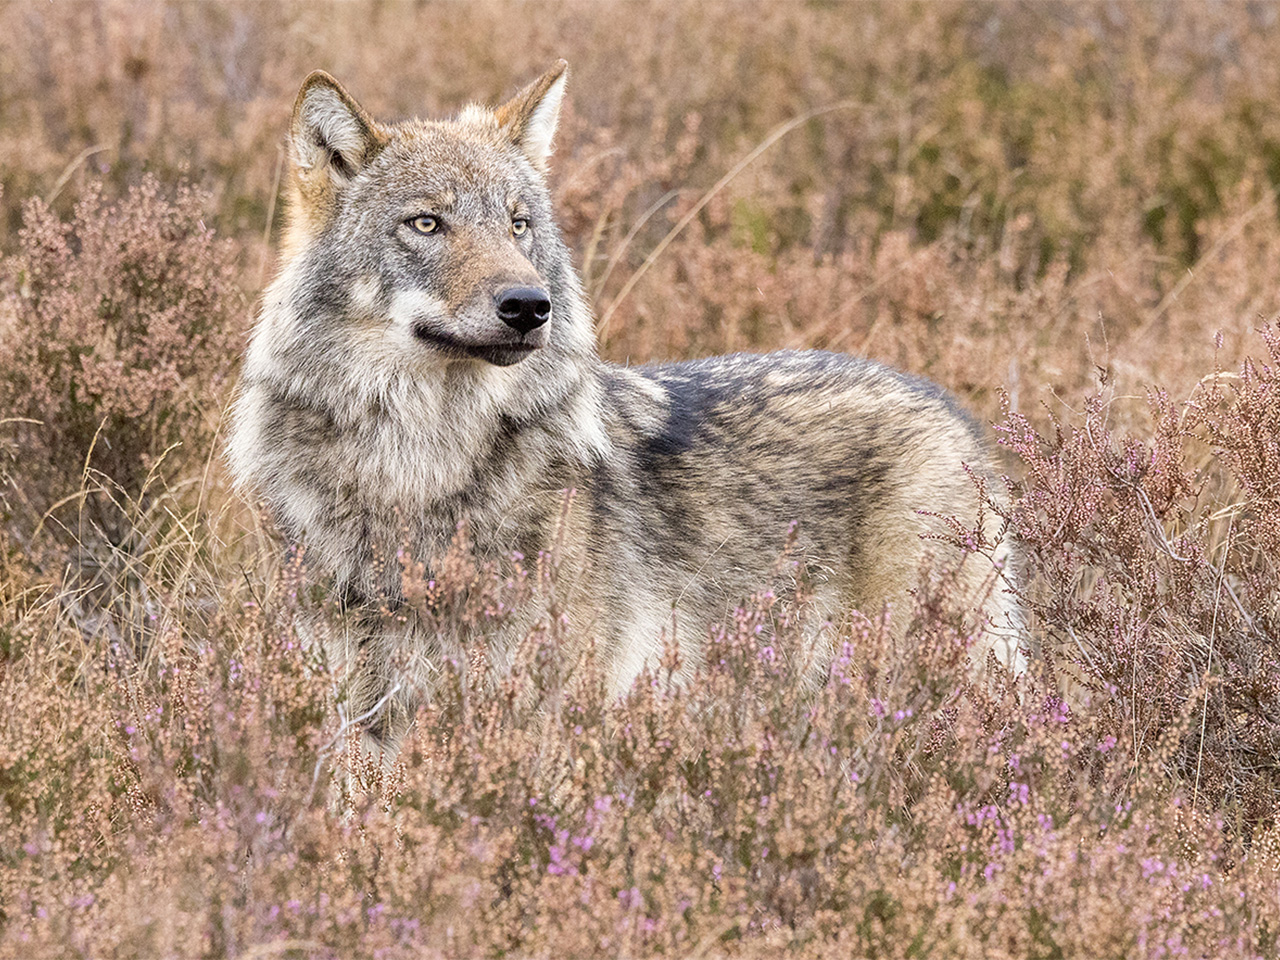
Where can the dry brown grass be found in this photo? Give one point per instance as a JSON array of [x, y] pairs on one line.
[[1065, 213]]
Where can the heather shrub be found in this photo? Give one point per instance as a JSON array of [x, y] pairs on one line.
[[213, 802], [1152, 569], [120, 327]]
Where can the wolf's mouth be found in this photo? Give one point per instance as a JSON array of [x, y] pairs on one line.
[[499, 354]]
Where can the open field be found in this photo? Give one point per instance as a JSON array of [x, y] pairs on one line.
[[1064, 213]]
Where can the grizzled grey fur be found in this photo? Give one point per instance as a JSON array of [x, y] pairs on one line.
[[426, 356]]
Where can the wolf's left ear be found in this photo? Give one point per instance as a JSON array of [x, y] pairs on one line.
[[529, 118]]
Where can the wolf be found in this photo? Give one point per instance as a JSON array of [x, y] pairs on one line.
[[426, 358]]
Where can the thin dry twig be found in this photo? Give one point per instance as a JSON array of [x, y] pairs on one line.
[[773, 137]]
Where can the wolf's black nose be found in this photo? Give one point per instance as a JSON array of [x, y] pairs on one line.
[[524, 308]]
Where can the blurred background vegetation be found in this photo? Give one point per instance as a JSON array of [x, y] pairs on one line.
[[980, 152]]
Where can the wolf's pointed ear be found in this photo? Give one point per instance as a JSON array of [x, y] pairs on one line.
[[529, 118], [331, 137]]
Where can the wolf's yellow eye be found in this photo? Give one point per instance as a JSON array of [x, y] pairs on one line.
[[518, 226], [424, 224]]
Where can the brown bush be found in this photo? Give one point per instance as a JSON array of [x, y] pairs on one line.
[[1155, 582], [120, 332]]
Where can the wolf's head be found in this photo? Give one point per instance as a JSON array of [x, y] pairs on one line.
[[426, 335], [422, 246]]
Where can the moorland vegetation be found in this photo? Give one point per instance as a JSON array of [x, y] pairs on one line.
[[1064, 213]]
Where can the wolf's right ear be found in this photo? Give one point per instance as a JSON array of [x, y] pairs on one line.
[[529, 119], [331, 137]]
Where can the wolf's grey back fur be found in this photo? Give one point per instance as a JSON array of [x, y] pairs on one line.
[[383, 403]]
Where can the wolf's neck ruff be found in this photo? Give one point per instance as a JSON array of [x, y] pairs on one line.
[[426, 357]]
